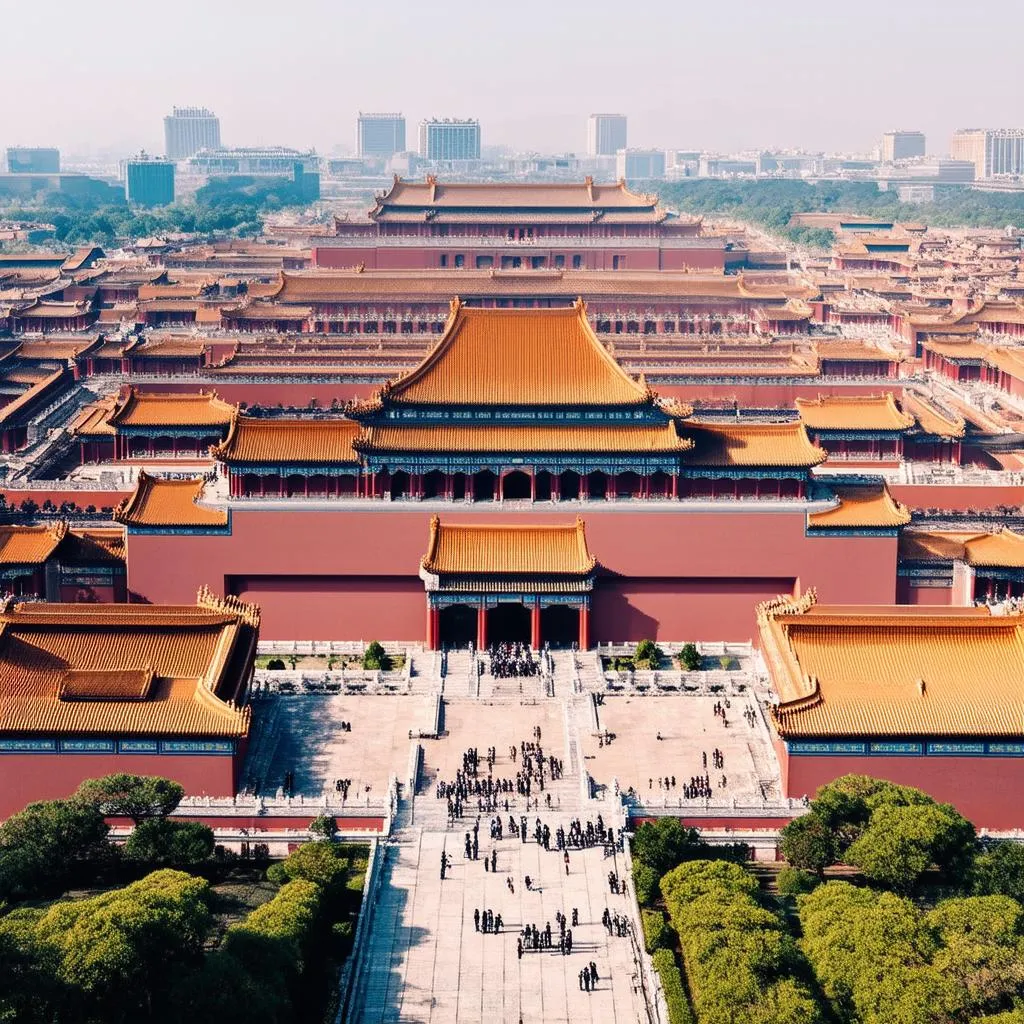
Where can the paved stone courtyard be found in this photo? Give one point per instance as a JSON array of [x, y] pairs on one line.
[[423, 960]]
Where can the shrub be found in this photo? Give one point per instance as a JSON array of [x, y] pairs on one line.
[[318, 862], [679, 1011], [796, 882], [648, 654], [375, 657], [645, 883], [657, 933], [277, 874], [275, 665], [689, 658], [324, 826]]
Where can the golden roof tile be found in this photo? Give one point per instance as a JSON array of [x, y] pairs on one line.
[[629, 437], [931, 419], [128, 670], [753, 444], [517, 357], [869, 506], [856, 412], [154, 409], [508, 549], [29, 545], [159, 502], [277, 440], [1002, 549], [899, 671], [932, 546]]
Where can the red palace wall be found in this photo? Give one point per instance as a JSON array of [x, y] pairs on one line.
[[984, 789], [28, 777], [339, 574], [961, 499]]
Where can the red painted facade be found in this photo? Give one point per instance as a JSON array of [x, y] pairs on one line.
[[339, 573], [986, 790], [29, 777]]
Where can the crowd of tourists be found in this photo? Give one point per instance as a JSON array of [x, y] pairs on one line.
[[511, 660]]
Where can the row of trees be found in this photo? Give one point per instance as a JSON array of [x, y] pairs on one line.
[[223, 205], [772, 204]]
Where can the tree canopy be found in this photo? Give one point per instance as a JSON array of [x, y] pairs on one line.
[[132, 796]]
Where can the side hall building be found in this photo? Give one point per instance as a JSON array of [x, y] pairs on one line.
[[925, 697], [89, 690], [516, 419]]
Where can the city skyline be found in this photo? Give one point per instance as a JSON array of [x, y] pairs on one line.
[[836, 97]]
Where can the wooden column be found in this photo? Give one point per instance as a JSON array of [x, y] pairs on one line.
[[535, 638], [675, 485], [481, 627], [584, 639]]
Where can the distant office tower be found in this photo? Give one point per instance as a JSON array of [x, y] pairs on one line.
[[993, 151], [901, 145], [606, 134], [380, 135], [149, 181], [640, 164], [450, 139], [26, 160], [188, 130]]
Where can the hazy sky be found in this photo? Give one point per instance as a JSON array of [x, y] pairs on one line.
[[715, 74]]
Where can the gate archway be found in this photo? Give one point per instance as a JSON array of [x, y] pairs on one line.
[[457, 625]]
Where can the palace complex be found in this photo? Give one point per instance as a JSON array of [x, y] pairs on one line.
[[553, 416]]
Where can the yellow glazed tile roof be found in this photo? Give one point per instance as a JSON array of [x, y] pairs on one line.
[[638, 438], [254, 439], [931, 419], [1003, 548], [517, 357], [753, 444], [128, 670], [893, 671], [142, 409], [861, 412], [158, 502], [507, 550], [869, 506], [29, 545]]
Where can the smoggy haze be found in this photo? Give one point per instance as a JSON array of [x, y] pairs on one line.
[[722, 76]]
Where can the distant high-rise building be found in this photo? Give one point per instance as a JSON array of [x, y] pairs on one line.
[[902, 145], [450, 139], [640, 164], [149, 181], [188, 130], [606, 134], [33, 160], [380, 135], [993, 151]]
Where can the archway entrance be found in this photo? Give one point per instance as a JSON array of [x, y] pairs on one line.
[[483, 485], [457, 625], [433, 484], [399, 484], [560, 625], [516, 486], [569, 485], [508, 624], [597, 485]]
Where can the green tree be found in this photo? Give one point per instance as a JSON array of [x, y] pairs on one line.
[[43, 846], [163, 843], [647, 655], [132, 796], [796, 882], [319, 862], [121, 950], [902, 841], [323, 826], [999, 871], [809, 843]]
